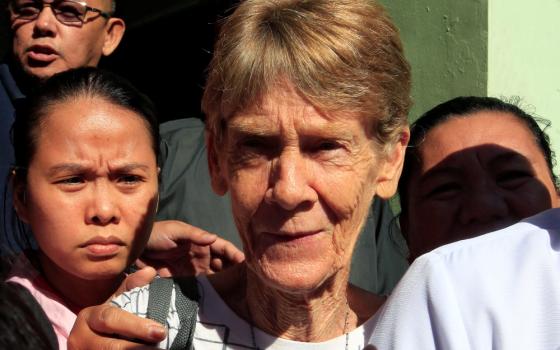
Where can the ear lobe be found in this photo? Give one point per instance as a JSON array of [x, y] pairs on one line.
[[218, 180], [20, 200], [388, 177], [114, 31]]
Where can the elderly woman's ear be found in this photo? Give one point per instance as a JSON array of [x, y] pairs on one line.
[[217, 176], [388, 177]]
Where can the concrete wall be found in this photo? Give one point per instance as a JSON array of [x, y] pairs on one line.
[[446, 44], [524, 57]]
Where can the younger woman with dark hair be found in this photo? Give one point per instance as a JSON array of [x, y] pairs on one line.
[[473, 165], [477, 165], [86, 183]]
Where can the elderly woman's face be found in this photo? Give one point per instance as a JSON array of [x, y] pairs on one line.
[[477, 174], [301, 184]]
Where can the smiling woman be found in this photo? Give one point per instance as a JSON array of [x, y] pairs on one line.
[[475, 164], [86, 183]]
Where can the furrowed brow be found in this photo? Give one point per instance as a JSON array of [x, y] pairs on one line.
[[66, 167]]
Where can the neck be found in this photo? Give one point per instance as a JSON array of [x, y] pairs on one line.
[[312, 316], [76, 292]]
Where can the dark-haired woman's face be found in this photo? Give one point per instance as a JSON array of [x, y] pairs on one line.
[[91, 189], [477, 174]]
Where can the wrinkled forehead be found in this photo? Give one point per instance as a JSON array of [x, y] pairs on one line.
[[284, 99]]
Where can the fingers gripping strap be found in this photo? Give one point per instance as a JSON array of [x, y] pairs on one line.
[[159, 299], [186, 303]]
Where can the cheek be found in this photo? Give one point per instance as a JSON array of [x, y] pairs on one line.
[[139, 211], [19, 45], [248, 185], [346, 198], [431, 224], [532, 199], [347, 191], [54, 229], [247, 190], [47, 207]]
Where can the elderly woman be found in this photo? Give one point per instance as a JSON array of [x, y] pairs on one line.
[[306, 105]]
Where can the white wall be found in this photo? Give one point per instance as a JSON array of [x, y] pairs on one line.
[[524, 57]]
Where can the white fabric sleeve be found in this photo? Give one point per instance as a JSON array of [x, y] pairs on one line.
[[423, 312]]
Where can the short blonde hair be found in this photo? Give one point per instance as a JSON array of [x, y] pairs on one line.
[[342, 55]]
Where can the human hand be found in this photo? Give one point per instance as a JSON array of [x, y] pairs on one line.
[[176, 248], [108, 327]]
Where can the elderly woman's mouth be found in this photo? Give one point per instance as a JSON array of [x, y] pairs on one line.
[[301, 237]]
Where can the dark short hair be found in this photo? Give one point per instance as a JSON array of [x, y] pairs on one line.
[[463, 107]]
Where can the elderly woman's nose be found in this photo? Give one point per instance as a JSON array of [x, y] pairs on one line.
[[290, 183], [102, 207], [483, 206]]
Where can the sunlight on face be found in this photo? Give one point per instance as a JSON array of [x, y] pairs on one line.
[[301, 183]]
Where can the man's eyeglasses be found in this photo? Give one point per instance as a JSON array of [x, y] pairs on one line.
[[65, 11]]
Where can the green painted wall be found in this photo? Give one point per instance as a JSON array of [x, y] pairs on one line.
[[446, 44], [524, 57]]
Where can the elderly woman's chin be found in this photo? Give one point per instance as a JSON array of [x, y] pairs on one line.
[[297, 274]]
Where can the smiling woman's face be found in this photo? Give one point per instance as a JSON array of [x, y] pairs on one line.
[[477, 173], [91, 188], [301, 184]]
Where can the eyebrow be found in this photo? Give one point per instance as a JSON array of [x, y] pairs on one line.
[[77, 168], [69, 167]]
